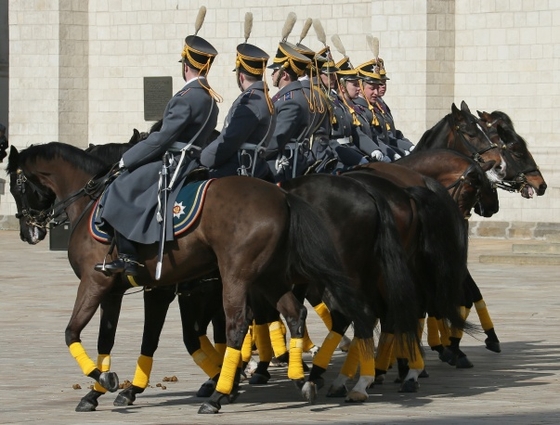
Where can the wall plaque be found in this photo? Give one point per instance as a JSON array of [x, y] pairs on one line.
[[157, 92]]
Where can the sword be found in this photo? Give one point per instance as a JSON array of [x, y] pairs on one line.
[[162, 210]]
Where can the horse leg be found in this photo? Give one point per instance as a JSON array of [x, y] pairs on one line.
[[492, 342], [321, 360], [405, 349], [156, 305], [237, 324], [347, 371], [110, 311], [198, 310], [264, 315], [365, 348], [91, 292]]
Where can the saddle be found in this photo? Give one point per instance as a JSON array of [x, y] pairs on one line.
[[186, 209]]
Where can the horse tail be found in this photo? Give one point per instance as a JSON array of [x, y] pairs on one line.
[[313, 256], [400, 292], [443, 251]]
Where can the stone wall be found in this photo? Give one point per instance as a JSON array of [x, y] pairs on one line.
[[77, 67]]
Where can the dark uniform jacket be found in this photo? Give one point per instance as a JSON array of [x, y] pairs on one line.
[[130, 203], [396, 137], [248, 121], [292, 120]]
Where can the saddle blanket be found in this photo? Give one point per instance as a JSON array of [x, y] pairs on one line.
[[186, 210]]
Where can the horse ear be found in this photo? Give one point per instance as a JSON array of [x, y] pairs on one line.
[[465, 107], [14, 156], [487, 165]]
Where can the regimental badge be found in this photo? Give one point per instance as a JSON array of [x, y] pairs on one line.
[[178, 209]]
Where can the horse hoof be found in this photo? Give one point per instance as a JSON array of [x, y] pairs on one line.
[[463, 363], [86, 405], [446, 355], [207, 389], [259, 379], [299, 383], [123, 400], [409, 386], [309, 392], [424, 374], [356, 397], [337, 392], [379, 379], [493, 346], [109, 381], [208, 408]]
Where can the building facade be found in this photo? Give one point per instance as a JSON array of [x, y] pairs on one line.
[[77, 69]]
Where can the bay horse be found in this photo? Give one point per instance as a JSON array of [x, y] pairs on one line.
[[273, 239], [461, 131]]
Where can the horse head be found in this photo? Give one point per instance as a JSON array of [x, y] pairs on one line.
[[487, 197], [523, 174], [33, 201]]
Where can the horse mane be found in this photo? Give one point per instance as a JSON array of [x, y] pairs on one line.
[[429, 135], [53, 150], [503, 117]]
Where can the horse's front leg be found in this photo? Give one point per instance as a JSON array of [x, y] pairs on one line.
[[110, 312], [91, 292]]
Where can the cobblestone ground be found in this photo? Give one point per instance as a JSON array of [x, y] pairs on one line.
[[518, 386]]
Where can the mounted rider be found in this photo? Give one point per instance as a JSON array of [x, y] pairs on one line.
[[250, 122], [287, 151], [130, 204]]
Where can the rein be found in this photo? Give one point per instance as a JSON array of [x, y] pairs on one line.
[[457, 186], [520, 180], [93, 188]]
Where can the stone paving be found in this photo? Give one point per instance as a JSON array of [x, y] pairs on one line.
[[521, 385]]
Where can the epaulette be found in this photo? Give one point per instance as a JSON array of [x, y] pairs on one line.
[[288, 96], [183, 92], [245, 97]]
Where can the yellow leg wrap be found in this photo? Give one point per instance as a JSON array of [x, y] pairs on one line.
[[367, 362], [104, 365], [221, 349], [295, 365], [262, 340], [247, 347], [205, 363], [483, 315], [79, 353], [210, 351], [277, 338], [384, 357], [443, 332], [307, 343], [324, 355], [418, 362], [433, 332], [415, 360], [143, 371], [350, 365], [229, 367], [325, 315]]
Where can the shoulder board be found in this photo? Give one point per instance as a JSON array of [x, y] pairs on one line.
[[183, 92], [246, 96], [288, 96]]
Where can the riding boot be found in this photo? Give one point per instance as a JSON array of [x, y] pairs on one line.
[[127, 261]]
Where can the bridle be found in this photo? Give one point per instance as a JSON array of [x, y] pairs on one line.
[[460, 134], [458, 187], [52, 214], [518, 183]]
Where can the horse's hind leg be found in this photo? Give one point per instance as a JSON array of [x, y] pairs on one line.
[[237, 324], [156, 305]]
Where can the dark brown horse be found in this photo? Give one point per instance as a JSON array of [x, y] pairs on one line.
[[256, 235], [461, 131], [522, 172]]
